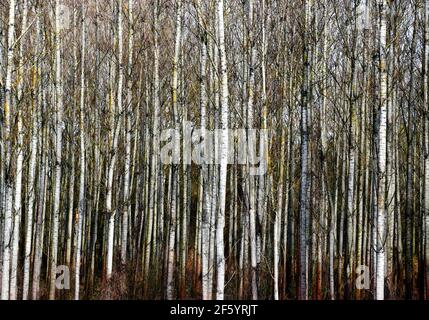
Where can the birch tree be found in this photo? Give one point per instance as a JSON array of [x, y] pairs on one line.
[[381, 215], [220, 258], [303, 219], [7, 141], [81, 210]]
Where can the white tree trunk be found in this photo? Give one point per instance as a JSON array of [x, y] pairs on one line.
[[381, 215], [154, 176], [111, 224], [81, 211], [18, 175], [32, 170], [220, 258], [58, 149], [124, 234], [42, 186], [206, 203], [174, 183], [254, 238], [6, 137], [279, 213], [303, 214]]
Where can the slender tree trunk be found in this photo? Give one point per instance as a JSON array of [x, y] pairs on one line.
[[127, 182], [220, 257], [58, 149], [304, 215], [155, 177], [7, 139], [206, 203], [17, 207], [173, 223], [117, 126], [381, 205], [250, 145], [42, 184], [31, 189], [82, 201]]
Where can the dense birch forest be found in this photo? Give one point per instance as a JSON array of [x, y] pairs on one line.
[[214, 149]]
